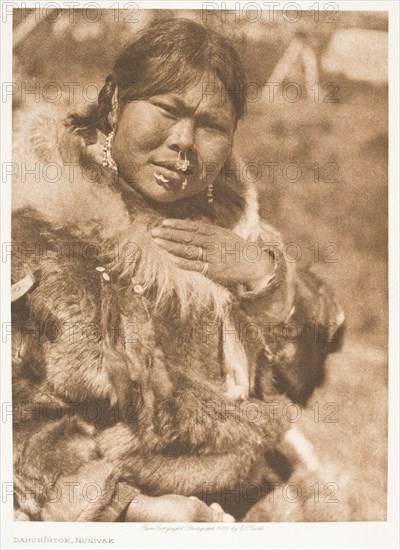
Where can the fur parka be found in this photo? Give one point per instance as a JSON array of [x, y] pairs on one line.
[[130, 374]]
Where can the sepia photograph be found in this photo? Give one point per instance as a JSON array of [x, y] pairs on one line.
[[197, 263]]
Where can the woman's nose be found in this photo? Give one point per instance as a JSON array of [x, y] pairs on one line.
[[182, 136]]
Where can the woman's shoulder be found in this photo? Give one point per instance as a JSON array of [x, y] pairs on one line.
[[51, 182], [43, 133], [44, 151]]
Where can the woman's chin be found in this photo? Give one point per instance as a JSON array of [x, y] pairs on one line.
[[163, 195], [164, 191], [160, 193], [152, 191]]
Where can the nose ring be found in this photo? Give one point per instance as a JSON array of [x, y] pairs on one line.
[[182, 164]]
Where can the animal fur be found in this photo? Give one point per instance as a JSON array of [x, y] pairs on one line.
[[168, 420]]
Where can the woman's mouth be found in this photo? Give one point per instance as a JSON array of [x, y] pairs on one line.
[[168, 185], [170, 179]]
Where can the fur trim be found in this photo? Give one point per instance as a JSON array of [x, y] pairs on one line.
[[94, 212], [60, 190]]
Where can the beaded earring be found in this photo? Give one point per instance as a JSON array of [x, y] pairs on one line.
[[210, 198], [108, 161]]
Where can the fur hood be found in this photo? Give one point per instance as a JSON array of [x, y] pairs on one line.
[[120, 325], [61, 185], [61, 177]]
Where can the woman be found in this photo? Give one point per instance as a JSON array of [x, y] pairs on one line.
[[145, 290]]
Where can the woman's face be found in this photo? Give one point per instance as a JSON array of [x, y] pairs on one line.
[[150, 133]]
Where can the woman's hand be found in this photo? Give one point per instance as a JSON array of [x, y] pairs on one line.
[[214, 251], [170, 508]]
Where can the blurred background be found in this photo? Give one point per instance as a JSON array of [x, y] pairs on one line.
[[320, 149]]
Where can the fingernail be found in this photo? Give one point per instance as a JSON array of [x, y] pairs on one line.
[[167, 222], [155, 232], [158, 241]]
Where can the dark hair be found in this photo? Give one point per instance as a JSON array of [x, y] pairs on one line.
[[168, 57]]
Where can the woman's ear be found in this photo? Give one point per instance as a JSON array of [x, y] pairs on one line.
[[113, 114]]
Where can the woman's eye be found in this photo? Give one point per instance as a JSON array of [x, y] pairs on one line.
[[217, 127], [169, 109], [212, 124]]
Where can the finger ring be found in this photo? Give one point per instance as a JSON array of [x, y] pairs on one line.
[[205, 268], [200, 253]]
